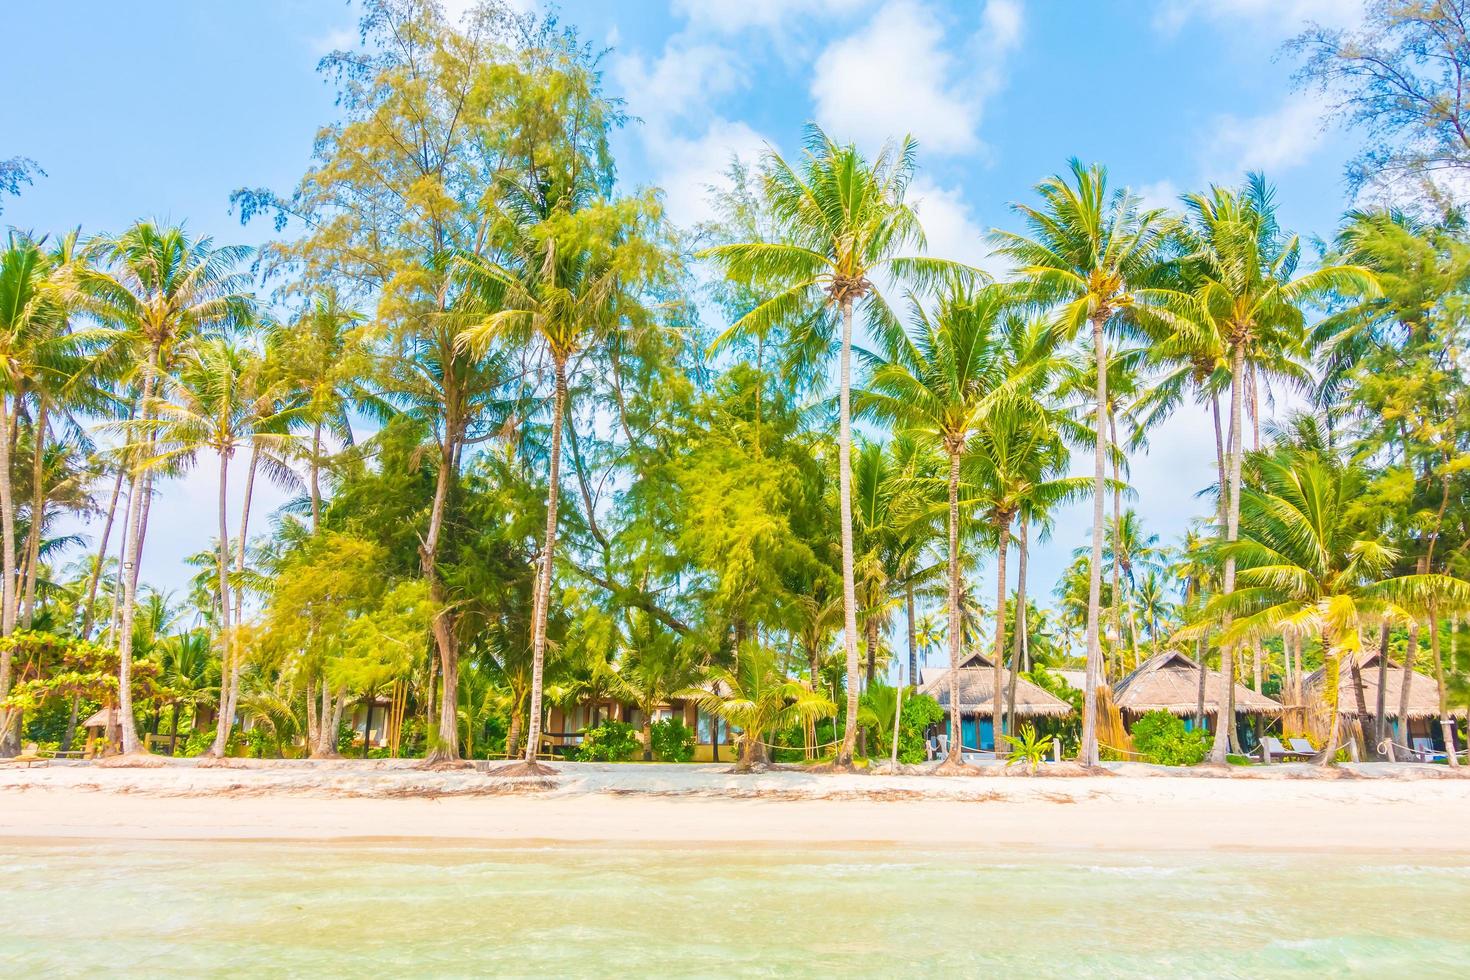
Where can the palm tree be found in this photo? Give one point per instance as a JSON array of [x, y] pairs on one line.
[[190, 674], [655, 667], [1311, 561], [756, 697], [1154, 605], [840, 220], [1089, 254], [579, 273], [938, 380], [210, 408], [1246, 300], [160, 288]]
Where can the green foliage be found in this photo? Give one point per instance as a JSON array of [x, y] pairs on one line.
[[1027, 748], [919, 712], [1161, 738], [673, 741], [611, 741]]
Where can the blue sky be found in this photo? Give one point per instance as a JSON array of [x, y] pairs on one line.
[[162, 107]]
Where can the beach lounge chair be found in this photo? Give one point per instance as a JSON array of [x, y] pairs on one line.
[[1302, 747], [29, 756], [1272, 750], [1424, 751]]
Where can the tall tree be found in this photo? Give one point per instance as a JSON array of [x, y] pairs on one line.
[[1088, 254], [839, 220]]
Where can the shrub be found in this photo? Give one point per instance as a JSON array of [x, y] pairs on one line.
[[919, 712], [611, 741], [673, 741], [346, 735], [1161, 738]]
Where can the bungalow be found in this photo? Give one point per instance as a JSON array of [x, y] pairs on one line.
[[1423, 714], [1169, 681], [713, 741], [977, 698]]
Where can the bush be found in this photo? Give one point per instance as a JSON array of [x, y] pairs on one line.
[[346, 735], [611, 741], [673, 741], [919, 712], [1161, 738]]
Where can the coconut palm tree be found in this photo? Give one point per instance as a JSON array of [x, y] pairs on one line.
[[938, 380], [839, 220], [576, 282], [1311, 561], [210, 407], [756, 697], [159, 288], [1090, 255], [1246, 299]]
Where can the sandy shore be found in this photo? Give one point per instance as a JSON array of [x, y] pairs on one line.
[[1367, 810]]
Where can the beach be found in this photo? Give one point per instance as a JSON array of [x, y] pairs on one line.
[[1137, 809]]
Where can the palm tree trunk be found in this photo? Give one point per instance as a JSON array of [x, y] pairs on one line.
[[132, 549], [38, 511], [1225, 725], [997, 677], [1381, 714], [245, 531], [1117, 585], [542, 600], [844, 492], [913, 636], [7, 588], [1019, 648], [1446, 724], [1202, 650], [90, 609], [229, 660], [1088, 755], [957, 732]]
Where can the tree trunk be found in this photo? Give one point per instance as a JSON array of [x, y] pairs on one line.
[[7, 588], [542, 602], [513, 735], [870, 639], [1117, 585], [229, 659], [997, 676], [244, 532], [445, 745], [844, 492], [38, 512], [913, 635], [1020, 646], [1224, 727], [1382, 706], [132, 549], [1202, 650], [957, 731], [367, 728], [1446, 724], [90, 609], [1088, 755]]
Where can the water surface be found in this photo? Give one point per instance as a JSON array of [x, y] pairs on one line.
[[400, 909]]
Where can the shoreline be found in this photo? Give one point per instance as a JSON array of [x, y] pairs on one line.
[[664, 806]]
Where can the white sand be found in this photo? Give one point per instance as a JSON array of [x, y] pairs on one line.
[[1263, 809]]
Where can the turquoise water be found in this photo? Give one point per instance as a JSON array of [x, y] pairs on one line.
[[387, 910]]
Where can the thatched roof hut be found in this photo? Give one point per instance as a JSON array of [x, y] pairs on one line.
[[103, 718], [1169, 681], [977, 693], [1423, 691]]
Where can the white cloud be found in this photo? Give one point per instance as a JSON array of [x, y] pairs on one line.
[[340, 39], [899, 75], [732, 16], [1289, 16], [1159, 194], [950, 226], [1277, 140], [684, 79], [694, 164]]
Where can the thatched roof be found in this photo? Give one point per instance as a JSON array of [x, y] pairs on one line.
[[1423, 690], [1169, 681], [104, 718], [977, 695]]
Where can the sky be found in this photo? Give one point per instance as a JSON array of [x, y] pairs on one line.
[[160, 108]]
